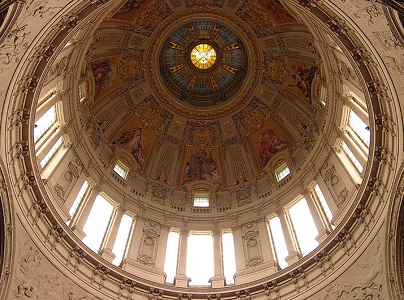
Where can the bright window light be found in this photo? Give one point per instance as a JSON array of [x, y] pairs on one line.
[[44, 123], [122, 238], [229, 257], [352, 157], [121, 169], [82, 91], [303, 226], [282, 172], [359, 127], [200, 259], [97, 223], [324, 95], [201, 201], [51, 152], [323, 202], [170, 263], [78, 200], [278, 241]]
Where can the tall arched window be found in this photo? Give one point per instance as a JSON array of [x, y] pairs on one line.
[[200, 258], [97, 223], [78, 201], [303, 226], [122, 239], [229, 257], [170, 263], [278, 241]]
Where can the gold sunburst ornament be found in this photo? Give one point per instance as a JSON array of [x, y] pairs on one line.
[[203, 56]]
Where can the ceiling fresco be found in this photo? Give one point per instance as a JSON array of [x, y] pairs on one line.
[[215, 98]]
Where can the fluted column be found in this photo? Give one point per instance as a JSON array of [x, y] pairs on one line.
[[218, 280], [78, 222], [106, 252], [294, 254], [181, 279]]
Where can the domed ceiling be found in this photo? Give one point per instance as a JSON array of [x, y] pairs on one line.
[[203, 91]]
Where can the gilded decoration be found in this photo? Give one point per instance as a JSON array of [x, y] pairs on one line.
[[203, 63], [182, 87], [142, 17], [243, 190]]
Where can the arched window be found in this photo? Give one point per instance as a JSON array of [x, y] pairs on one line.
[[52, 151], [318, 195], [200, 258], [229, 257], [170, 263], [48, 136], [78, 201], [277, 241], [303, 226], [355, 138], [97, 223], [44, 123], [122, 239]]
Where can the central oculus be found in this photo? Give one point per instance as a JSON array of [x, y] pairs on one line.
[[203, 63], [203, 56]]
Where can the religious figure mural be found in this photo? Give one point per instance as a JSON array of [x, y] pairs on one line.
[[269, 144], [268, 140], [303, 77], [104, 73], [201, 166], [300, 75], [133, 140]]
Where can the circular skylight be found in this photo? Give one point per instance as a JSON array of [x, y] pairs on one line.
[[203, 56]]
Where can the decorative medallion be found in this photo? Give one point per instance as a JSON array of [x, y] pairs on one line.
[[203, 63]]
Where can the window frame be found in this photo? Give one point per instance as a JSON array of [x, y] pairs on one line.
[[123, 167], [280, 173]]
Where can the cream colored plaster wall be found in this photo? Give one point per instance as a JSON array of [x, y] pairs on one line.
[[35, 277], [365, 279]]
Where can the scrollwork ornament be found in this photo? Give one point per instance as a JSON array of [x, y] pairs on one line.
[[68, 22], [75, 257]]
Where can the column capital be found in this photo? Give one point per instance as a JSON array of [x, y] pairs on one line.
[[184, 231], [216, 232]]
